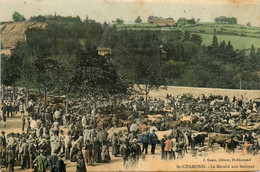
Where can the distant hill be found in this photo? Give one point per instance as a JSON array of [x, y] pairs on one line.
[[13, 32]]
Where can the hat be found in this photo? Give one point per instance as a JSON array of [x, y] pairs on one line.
[[134, 140], [3, 132]]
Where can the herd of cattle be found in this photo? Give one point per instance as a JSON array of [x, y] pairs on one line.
[[216, 119]]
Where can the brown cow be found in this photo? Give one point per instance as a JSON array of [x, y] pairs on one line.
[[173, 124], [217, 138]]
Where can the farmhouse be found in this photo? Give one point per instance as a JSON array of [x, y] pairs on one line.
[[162, 22]]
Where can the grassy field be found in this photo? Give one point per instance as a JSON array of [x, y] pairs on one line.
[[238, 42], [241, 37]]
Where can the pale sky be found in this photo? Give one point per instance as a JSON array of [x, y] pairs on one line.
[[128, 10]]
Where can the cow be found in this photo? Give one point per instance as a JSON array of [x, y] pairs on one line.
[[198, 138], [172, 124], [190, 119], [231, 144], [217, 138]]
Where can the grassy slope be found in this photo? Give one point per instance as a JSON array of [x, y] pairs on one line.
[[241, 37]]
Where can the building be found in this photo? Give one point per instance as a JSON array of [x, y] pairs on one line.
[[162, 22], [104, 51]]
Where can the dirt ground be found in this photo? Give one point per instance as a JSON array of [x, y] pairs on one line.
[[195, 91]]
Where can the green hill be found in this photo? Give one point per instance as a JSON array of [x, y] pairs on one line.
[[241, 37]]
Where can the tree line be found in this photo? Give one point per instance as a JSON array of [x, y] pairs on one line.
[[63, 59]]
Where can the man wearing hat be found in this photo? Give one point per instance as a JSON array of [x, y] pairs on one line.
[[153, 140], [10, 158], [168, 148], [163, 145], [125, 152], [11, 140], [62, 142], [88, 153], [60, 165], [115, 145], [68, 144], [135, 151], [32, 152], [55, 143], [145, 140], [53, 161], [41, 161], [24, 152], [3, 148], [9, 109]]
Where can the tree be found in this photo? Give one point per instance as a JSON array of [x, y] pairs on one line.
[[96, 75], [46, 75], [226, 20], [186, 36], [138, 20], [191, 21], [214, 42], [197, 39], [152, 18], [119, 21], [18, 17], [10, 70]]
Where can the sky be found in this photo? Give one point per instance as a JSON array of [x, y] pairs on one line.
[[128, 10]]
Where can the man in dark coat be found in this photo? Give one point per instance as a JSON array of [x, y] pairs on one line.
[[60, 165], [145, 140], [10, 159], [135, 151], [3, 148], [105, 151], [125, 152], [97, 151], [115, 145], [81, 167], [9, 109], [88, 152], [53, 161], [32, 153], [4, 109], [163, 145], [23, 123], [24, 152], [153, 140]]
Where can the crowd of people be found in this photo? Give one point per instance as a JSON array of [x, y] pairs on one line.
[[50, 136]]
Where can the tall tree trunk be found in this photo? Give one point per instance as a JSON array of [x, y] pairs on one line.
[[146, 98], [27, 97], [13, 96], [66, 102], [45, 95], [3, 92]]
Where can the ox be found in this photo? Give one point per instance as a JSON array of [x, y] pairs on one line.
[[217, 138]]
